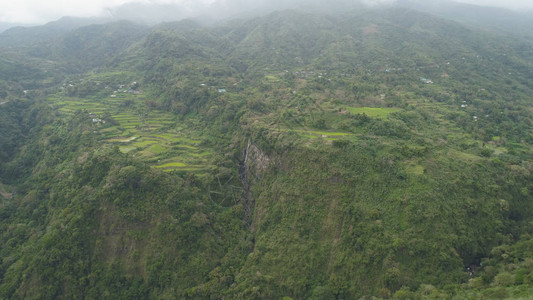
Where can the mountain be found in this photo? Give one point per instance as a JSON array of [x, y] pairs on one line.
[[90, 46], [379, 153], [149, 13], [19, 36], [5, 26], [505, 21], [154, 13]]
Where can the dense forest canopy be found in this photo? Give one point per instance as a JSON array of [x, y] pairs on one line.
[[369, 153]]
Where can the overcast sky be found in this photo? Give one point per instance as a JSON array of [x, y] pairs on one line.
[[42, 11]]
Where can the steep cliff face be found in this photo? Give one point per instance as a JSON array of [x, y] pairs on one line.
[[257, 161], [251, 169]]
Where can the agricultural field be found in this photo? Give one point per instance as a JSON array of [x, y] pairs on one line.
[[377, 112], [155, 136], [327, 135]]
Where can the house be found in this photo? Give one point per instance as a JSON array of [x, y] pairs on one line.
[[221, 90]]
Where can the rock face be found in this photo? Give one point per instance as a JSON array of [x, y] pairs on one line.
[[255, 163]]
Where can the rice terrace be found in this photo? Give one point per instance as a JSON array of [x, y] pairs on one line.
[[122, 118]]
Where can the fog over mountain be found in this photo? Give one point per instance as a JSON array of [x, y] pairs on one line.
[[5, 26], [152, 13], [155, 11]]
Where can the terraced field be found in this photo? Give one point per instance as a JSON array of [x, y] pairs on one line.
[[155, 136], [377, 112], [330, 136]]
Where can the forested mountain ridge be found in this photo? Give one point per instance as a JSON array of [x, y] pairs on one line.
[[381, 153], [20, 36], [510, 22]]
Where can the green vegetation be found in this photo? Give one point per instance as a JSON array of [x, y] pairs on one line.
[[295, 155], [173, 164], [377, 112]]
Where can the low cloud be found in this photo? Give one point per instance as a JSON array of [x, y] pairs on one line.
[[39, 11]]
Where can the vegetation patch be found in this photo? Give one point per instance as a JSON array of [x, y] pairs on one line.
[[375, 112], [272, 78], [460, 155], [157, 149], [122, 140], [172, 165], [144, 143], [322, 134], [127, 149], [414, 169]]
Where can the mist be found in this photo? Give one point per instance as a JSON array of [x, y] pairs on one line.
[[151, 12]]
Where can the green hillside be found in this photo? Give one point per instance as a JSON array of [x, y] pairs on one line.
[[374, 153]]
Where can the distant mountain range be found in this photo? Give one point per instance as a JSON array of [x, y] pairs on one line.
[[5, 26], [501, 20], [23, 35], [487, 18]]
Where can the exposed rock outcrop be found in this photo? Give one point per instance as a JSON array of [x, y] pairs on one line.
[[251, 168]]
